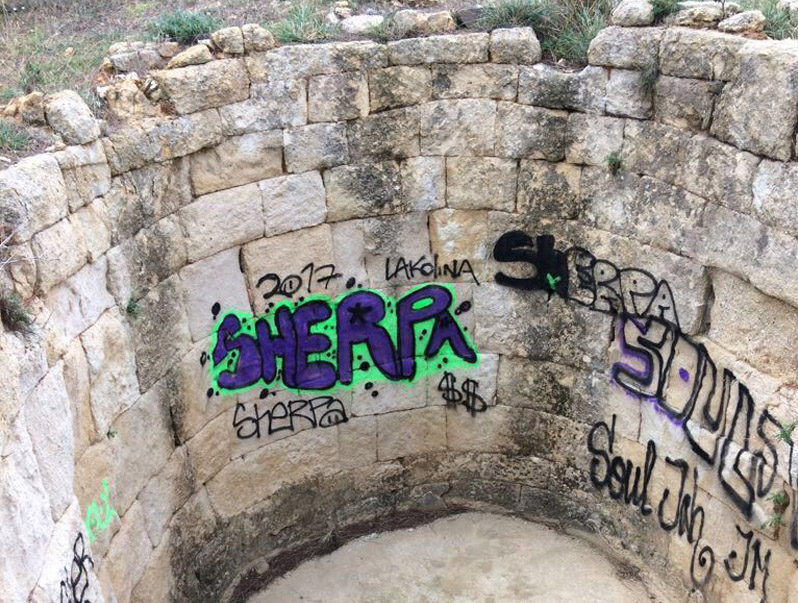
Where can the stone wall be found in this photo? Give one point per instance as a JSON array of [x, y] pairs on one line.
[[618, 245]]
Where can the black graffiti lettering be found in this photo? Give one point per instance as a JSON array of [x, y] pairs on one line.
[[321, 411], [76, 580], [757, 563], [410, 269], [467, 394]]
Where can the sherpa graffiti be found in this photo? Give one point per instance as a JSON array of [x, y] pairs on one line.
[[320, 343], [661, 365]]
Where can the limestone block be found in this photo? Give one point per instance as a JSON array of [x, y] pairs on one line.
[[131, 147], [700, 14], [357, 442], [160, 332], [69, 115], [217, 279], [461, 234], [747, 21], [656, 150], [549, 86], [423, 183], [720, 173], [389, 397], [530, 132], [481, 183], [711, 242], [128, 554], [315, 147], [139, 60], [485, 374], [515, 45], [285, 255], [60, 253], [204, 86], [143, 444], [628, 94], [754, 327], [499, 82], [707, 55], [33, 195], [199, 54], [307, 60], [403, 235], [411, 432], [388, 135], [271, 106], [490, 431], [191, 407], [165, 493], [359, 191], [774, 188], [74, 306], [78, 390], [313, 452], [49, 424], [359, 25], [591, 139], [338, 97], [778, 255], [229, 40], [157, 580], [91, 225], [140, 198], [349, 253], [22, 273], [22, 496], [189, 133], [458, 127], [758, 111], [221, 220], [112, 368], [236, 161], [153, 255], [549, 190], [685, 103], [86, 173], [10, 398], [293, 202], [409, 23], [466, 48], [209, 450], [256, 38], [625, 48], [633, 13], [399, 86]]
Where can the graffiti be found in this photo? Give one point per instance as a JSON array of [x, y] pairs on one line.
[[76, 580], [466, 395], [319, 343], [273, 284], [409, 268], [322, 411], [98, 518], [629, 484], [661, 365], [576, 275]]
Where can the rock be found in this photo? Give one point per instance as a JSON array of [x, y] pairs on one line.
[[30, 108], [629, 94], [338, 97], [410, 432], [549, 190], [168, 49], [625, 48], [60, 253], [361, 191], [229, 40], [423, 183], [387, 135], [465, 48], [361, 24], [685, 103], [758, 111], [591, 139], [549, 86], [204, 86], [481, 183], [194, 55], [271, 106], [633, 13], [516, 45], [69, 115], [315, 147], [458, 127], [256, 38], [127, 101], [138, 61], [774, 188], [707, 55], [406, 22], [399, 86], [440, 22], [530, 132], [86, 173], [238, 160], [475, 81], [293, 202], [747, 21], [701, 14]]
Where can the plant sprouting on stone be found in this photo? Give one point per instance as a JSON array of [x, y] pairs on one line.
[[304, 23], [614, 163], [110, 434], [13, 137], [775, 521], [663, 8], [183, 26], [649, 77], [780, 500], [14, 315], [132, 308]]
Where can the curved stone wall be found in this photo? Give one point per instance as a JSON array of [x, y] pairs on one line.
[[577, 289]]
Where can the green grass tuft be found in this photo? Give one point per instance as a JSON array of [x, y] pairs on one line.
[[663, 8], [305, 23], [183, 26], [13, 137], [132, 308], [514, 13], [14, 315], [614, 163]]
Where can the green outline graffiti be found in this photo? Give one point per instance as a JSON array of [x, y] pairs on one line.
[[93, 514]]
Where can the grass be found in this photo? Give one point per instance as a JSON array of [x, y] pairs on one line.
[[663, 8], [183, 26], [778, 23], [303, 24], [13, 314], [515, 13], [615, 163], [13, 137], [132, 308]]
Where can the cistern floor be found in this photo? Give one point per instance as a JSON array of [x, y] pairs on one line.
[[468, 558]]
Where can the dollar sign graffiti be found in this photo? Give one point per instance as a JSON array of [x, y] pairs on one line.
[[473, 401], [448, 387]]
